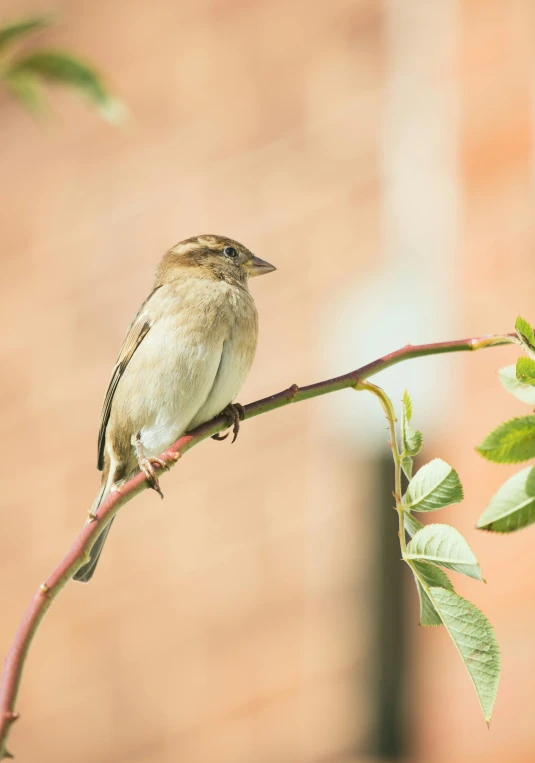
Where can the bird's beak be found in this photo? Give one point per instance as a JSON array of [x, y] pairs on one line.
[[257, 267]]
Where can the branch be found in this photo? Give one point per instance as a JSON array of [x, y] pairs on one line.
[[78, 554]]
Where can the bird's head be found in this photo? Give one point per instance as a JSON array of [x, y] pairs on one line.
[[217, 256]]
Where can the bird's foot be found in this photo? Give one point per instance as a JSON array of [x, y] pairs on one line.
[[147, 464], [235, 412]]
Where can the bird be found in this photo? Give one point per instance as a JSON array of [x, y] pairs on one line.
[[185, 357]]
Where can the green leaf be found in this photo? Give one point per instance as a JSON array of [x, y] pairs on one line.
[[412, 525], [16, 29], [445, 546], [526, 335], [407, 406], [432, 577], [61, 68], [434, 486], [411, 438], [525, 371], [475, 640], [406, 465], [511, 442], [412, 441], [524, 392], [27, 91], [513, 505]]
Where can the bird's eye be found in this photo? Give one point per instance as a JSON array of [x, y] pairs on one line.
[[229, 251]]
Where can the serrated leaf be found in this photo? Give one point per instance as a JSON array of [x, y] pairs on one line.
[[413, 441], [525, 371], [525, 331], [407, 406], [412, 525], [475, 640], [16, 29], [411, 438], [513, 505], [433, 486], [526, 335], [511, 442], [445, 546], [432, 577], [62, 68], [524, 392]]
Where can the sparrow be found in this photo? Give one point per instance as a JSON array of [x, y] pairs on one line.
[[185, 357]]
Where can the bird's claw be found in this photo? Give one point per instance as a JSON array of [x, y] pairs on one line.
[[147, 467], [235, 412], [147, 464]]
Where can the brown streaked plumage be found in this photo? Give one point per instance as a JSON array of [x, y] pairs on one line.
[[185, 357]]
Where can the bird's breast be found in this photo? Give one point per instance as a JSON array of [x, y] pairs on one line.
[[192, 363]]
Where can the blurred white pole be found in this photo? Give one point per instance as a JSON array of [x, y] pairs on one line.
[[408, 294]]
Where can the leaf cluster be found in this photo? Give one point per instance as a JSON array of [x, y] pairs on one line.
[[434, 548], [513, 506]]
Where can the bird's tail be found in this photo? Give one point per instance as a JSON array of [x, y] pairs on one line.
[[85, 573]]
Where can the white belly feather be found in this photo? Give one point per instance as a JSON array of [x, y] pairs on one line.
[[191, 369]]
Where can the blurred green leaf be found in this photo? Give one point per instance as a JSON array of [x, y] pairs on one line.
[[16, 29], [524, 392], [511, 442], [526, 335], [434, 486], [444, 545], [525, 371], [513, 506], [475, 640], [62, 68], [27, 90], [432, 577]]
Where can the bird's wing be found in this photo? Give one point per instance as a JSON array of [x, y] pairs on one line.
[[139, 328]]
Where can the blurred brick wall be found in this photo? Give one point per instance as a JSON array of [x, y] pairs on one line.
[[495, 276], [210, 632], [231, 622]]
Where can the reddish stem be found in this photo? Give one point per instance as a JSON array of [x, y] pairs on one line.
[[78, 554]]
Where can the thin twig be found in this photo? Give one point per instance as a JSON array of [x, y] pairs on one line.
[[388, 409], [79, 551]]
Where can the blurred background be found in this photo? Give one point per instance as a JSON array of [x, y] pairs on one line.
[[381, 154]]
